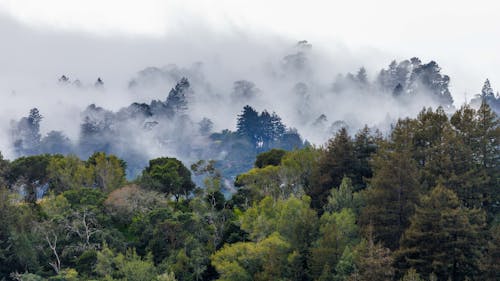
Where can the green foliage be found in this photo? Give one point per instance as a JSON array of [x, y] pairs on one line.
[[90, 225], [373, 262], [337, 161], [109, 171], [341, 197], [167, 175], [269, 259], [30, 172], [444, 237], [390, 199], [337, 232], [127, 267], [411, 275], [272, 157]]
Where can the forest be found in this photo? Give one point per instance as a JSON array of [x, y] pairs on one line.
[[420, 202]]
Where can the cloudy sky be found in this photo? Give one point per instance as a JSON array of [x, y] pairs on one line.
[[39, 36]]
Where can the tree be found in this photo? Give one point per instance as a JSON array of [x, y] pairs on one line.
[[373, 262], [269, 259], [487, 91], [337, 231], [443, 237], [390, 200], [427, 78], [26, 134], [271, 157], [364, 146], [488, 155], [66, 173], [341, 197], [336, 162], [177, 97], [109, 171], [30, 175], [55, 142], [248, 124], [167, 175]]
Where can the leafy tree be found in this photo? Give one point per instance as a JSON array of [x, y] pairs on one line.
[[109, 171], [167, 175], [268, 259], [127, 267], [66, 173], [271, 157], [30, 175], [337, 231]]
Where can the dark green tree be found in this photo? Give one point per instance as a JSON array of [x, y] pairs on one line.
[[169, 176], [443, 238], [337, 161]]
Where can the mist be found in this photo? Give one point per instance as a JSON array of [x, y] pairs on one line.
[[296, 79]]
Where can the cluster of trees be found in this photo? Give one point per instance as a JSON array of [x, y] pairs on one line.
[[166, 125], [419, 204], [405, 80]]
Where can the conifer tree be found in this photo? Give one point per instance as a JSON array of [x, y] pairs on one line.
[[444, 238]]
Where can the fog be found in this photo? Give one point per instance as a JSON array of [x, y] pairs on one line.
[[226, 71]]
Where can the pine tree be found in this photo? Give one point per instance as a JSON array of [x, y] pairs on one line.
[[488, 156], [373, 262], [390, 199], [444, 238], [248, 124], [336, 162]]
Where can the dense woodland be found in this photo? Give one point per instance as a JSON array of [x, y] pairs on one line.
[[421, 202]]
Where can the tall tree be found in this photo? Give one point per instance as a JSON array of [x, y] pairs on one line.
[[390, 199], [443, 238], [336, 162]]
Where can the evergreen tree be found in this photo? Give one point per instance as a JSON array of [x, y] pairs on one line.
[[337, 161], [248, 124], [177, 97], [444, 238], [488, 156], [26, 134], [390, 199], [373, 262]]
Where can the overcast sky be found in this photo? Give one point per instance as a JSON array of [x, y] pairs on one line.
[[463, 36]]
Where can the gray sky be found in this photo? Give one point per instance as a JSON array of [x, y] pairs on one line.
[[462, 36]]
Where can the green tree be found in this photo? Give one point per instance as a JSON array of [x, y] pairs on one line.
[[109, 171], [337, 161], [269, 259], [390, 199], [271, 157], [337, 231], [373, 262], [444, 237], [69, 172], [167, 175], [341, 197], [29, 173]]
